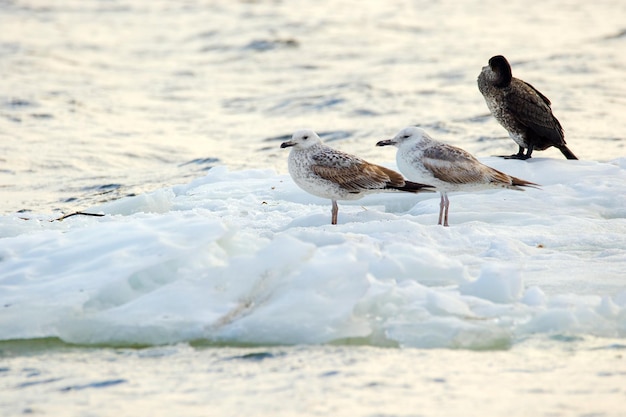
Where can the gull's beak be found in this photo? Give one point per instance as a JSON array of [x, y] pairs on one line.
[[287, 144], [386, 142]]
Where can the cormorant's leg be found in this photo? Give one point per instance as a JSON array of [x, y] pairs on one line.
[[518, 155], [529, 151], [334, 212]]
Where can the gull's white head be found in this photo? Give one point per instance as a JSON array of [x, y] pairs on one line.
[[408, 135], [302, 139]]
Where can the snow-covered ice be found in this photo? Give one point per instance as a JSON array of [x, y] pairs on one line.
[[246, 257]]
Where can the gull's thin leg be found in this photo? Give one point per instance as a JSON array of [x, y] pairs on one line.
[[447, 206], [441, 206], [335, 211]]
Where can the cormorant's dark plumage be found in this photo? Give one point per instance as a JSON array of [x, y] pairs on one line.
[[521, 109]]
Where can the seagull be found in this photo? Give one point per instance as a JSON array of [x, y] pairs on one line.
[[329, 173], [448, 168], [521, 109]]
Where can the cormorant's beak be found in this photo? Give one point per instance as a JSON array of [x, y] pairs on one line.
[[386, 142], [287, 144]]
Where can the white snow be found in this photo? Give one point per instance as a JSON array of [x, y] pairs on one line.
[[248, 257]]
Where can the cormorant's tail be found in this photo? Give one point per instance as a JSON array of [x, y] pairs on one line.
[[415, 187], [565, 151]]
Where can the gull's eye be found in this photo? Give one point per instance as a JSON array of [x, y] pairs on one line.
[[406, 136], [305, 137]]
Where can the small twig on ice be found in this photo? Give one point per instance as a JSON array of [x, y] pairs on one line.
[[76, 213]]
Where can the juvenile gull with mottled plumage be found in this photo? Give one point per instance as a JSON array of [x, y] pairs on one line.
[[448, 168], [328, 173]]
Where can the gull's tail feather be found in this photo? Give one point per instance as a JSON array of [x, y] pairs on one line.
[[414, 187], [518, 182]]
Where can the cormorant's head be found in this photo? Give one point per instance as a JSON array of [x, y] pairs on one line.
[[501, 68]]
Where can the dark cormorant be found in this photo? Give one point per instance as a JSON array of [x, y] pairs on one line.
[[521, 109]]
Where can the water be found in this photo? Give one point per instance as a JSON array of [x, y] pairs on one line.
[[105, 99], [551, 378], [102, 99]]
